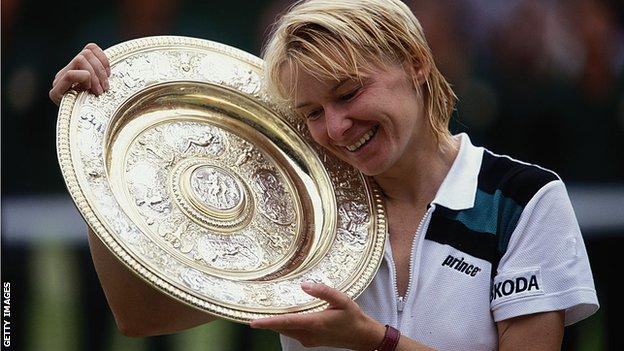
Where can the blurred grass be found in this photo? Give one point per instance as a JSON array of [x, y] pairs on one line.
[[119, 342], [217, 336], [592, 336], [52, 321]]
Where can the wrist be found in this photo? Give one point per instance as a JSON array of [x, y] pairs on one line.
[[372, 337], [391, 339]]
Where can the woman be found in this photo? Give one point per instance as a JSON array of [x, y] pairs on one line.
[[484, 251]]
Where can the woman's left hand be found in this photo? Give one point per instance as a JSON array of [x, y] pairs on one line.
[[343, 324]]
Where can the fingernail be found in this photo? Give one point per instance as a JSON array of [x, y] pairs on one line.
[[306, 286], [106, 85], [108, 71]]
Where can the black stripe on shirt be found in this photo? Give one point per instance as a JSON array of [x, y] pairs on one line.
[[454, 233], [515, 180]]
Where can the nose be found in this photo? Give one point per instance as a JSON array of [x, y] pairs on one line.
[[337, 123]]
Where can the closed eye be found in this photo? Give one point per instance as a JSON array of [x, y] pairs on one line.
[[350, 95], [313, 114]]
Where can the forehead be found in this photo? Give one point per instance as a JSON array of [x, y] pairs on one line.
[[300, 85], [295, 76], [299, 82]]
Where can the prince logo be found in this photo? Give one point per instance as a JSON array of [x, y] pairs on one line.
[[460, 265]]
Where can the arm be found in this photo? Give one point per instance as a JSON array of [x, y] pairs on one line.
[[139, 309], [539, 331]]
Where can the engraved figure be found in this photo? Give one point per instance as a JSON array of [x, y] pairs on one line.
[[275, 203], [169, 161], [245, 80], [144, 184], [238, 253], [264, 295], [194, 279], [245, 156], [216, 188], [353, 219], [277, 241], [185, 62], [203, 141], [172, 231], [353, 215], [193, 138]]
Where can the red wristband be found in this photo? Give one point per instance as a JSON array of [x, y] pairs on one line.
[[390, 340]]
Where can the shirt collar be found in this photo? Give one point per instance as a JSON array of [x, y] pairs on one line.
[[459, 188]]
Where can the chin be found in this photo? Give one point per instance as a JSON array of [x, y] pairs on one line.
[[369, 173], [370, 169]]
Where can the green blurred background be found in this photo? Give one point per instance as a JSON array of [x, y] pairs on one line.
[[542, 81]]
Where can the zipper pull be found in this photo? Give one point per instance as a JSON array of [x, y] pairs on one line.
[[401, 303]]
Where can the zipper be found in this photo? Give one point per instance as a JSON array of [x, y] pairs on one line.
[[401, 303], [401, 299]]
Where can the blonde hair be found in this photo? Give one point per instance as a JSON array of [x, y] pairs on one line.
[[342, 38]]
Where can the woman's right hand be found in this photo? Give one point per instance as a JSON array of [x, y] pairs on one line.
[[89, 70]]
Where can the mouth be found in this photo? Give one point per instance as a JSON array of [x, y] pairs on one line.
[[364, 139]]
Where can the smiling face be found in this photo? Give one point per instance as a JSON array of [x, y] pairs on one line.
[[379, 120], [374, 123]]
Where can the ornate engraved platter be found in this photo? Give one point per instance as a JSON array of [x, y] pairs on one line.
[[209, 191]]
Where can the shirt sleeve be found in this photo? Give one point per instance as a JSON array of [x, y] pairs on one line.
[[545, 267]]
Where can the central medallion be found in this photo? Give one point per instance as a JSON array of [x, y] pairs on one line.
[[217, 189], [211, 195]]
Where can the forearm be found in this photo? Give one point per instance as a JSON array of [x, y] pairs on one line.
[[407, 344], [139, 309], [539, 331]]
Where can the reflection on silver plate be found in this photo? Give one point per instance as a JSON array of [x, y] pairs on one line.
[[210, 192]]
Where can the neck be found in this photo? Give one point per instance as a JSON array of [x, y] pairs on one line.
[[416, 178]]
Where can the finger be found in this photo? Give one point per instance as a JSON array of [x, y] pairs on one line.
[[60, 73], [83, 63], [72, 65], [99, 53], [66, 81], [80, 62], [283, 322], [98, 68], [324, 292]]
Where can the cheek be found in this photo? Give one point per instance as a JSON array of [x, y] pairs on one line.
[[317, 131]]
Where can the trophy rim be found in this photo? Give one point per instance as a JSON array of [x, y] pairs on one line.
[[159, 280]]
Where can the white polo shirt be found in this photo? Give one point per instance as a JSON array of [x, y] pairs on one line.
[[499, 240]]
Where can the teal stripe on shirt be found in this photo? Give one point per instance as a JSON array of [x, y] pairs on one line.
[[492, 213]]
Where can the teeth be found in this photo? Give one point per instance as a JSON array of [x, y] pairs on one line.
[[366, 137]]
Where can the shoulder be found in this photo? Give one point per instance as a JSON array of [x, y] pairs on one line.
[[511, 178], [507, 191]]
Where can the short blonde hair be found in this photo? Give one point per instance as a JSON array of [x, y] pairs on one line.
[[342, 38]]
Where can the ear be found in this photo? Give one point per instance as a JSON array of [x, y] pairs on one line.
[[419, 72]]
